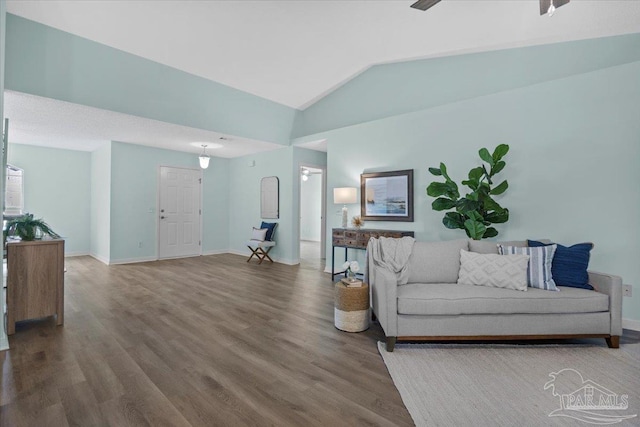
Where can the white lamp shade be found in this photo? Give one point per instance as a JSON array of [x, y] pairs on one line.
[[344, 195], [204, 161]]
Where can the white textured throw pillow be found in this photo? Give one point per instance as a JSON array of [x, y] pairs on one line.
[[498, 271], [539, 271], [259, 234]]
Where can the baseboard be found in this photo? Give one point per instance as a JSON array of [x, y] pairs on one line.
[[99, 258], [74, 254], [132, 260], [216, 252], [274, 258], [632, 324]]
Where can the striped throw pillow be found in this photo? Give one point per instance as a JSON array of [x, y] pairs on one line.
[[539, 269]]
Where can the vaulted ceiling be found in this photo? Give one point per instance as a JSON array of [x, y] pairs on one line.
[[296, 51], [293, 52]]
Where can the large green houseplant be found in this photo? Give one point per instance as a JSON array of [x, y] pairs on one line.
[[28, 228], [477, 210]]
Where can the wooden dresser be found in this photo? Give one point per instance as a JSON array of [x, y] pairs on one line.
[[35, 281], [351, 238]]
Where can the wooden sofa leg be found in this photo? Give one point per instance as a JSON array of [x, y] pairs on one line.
[[613, 341], [391, 343]]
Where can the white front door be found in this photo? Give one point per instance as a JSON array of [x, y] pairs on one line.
[[179, 212]]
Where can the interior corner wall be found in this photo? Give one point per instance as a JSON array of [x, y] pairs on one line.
[[134, 189], [57, 188], [572, 169], [100, 244], [245, 174]]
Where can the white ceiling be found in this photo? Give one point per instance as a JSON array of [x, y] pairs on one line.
[[293, 52]]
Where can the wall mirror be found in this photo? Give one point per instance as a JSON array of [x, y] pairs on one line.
[[269, 197]]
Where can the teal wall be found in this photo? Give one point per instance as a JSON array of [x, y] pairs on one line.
[[57, 188], [134, 188], [311, 208], [400, 88], [4, 343], [3, 27], [572, 169], [244, 200], [101, 203], [570, 112], [51, 63]]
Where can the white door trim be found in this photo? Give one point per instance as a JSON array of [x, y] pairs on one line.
[[323, 207], [158, 183]]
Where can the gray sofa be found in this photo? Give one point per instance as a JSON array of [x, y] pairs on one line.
[[432, 306]]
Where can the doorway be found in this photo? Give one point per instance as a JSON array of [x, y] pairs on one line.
[[312, 217], [179, 212]]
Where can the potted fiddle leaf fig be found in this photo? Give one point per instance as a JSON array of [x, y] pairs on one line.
[[477, 210], [28, 228]]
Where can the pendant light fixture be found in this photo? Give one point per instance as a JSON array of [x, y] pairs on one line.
[[204, 157], [551, 9]]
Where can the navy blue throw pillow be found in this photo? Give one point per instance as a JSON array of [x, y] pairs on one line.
[[569, 264], [270, 226]]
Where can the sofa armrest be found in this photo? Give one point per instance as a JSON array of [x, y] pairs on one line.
[[384, 299], [612, 286]]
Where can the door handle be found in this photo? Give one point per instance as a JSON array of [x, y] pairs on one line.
[[162, 217]]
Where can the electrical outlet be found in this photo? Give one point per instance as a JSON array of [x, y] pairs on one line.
[[627, 290]]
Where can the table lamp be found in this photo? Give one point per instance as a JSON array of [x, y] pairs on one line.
[[343, 196]]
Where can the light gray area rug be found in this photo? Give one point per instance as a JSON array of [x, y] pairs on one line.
[[516, 385]]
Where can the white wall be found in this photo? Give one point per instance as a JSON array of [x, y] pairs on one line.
[[311, 208]]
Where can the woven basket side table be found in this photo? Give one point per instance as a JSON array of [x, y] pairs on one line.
[[351, 312]]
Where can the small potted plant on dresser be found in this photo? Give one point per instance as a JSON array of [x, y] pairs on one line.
[[28, 228], [35, 271]]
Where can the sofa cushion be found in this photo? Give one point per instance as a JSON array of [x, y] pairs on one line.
[[488, 247], [436, 262], [485, 247], [539, 269], [454, 299], [498, 271]]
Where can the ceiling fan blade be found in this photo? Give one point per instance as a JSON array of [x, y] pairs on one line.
[[544, 5], [426, 4]]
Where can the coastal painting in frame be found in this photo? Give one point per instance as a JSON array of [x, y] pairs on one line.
[[387, 196]]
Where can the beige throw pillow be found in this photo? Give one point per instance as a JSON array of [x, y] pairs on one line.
[[259, 234], [498, 271]]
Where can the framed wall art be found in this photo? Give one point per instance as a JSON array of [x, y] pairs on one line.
[[387, 196]]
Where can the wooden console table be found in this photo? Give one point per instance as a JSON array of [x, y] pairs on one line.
[[35, 281], [351, 238]]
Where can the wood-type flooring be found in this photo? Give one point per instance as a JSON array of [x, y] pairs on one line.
[[205, 341]]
